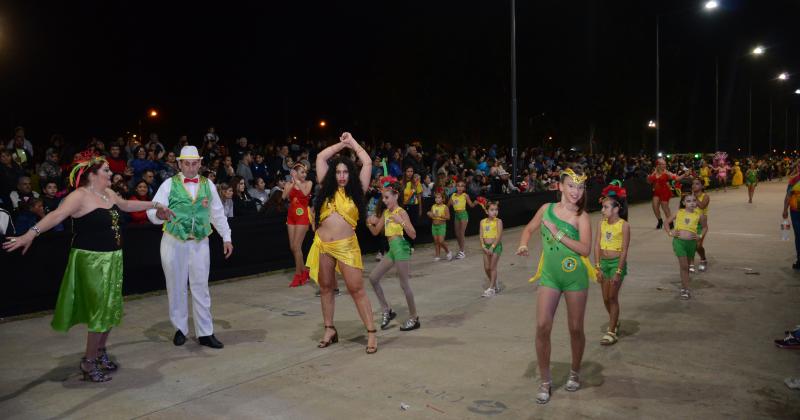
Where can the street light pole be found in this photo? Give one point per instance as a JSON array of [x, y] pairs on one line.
[[716, 103], [658, 85], [770, 123], [514, 90], [750, 119]]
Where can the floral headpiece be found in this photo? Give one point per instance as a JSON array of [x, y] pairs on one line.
[[84, 161], [387, 181], [482, 201], [578, 179], [614, 189]]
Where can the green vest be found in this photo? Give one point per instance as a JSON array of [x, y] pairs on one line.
[[191, 219]]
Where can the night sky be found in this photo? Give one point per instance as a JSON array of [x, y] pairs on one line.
[[437, 71]]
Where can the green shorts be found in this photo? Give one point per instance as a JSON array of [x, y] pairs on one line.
[[609, 268], [461, 215], [439, 230], [699, 230], [497, 250], [574, 284], [399, 249], [684, 247]]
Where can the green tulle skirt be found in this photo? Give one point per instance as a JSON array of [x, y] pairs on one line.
[[91, 291]]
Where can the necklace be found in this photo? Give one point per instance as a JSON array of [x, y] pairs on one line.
[[103, 196]]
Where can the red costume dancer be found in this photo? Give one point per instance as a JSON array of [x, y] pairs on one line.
[[660, 180], [297, 219]]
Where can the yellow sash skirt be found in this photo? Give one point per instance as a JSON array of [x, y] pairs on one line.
[[344, 251]]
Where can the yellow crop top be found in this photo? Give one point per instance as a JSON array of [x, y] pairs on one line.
[[459, 201], [687, 221], [489, 228], [611, 235], [341, 204], [699, 199], [391, 227], [438, 211]]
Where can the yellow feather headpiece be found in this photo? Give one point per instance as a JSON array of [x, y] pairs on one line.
[[578, 179]]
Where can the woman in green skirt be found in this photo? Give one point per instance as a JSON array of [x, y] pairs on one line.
[[91, 289]]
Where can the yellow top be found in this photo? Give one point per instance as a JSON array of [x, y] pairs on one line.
[[438, 211], [341, 204], [489, 228], [611, 235], [687, 221], [410, 193], [391, 227], [700, 198], [459, 201]]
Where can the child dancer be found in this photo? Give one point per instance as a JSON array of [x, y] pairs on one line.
[[491, 236], [439, 215], [703, 200], [611, 253], [395, 223], [564, 268], [751, 180], [684, 238], [298, 191], [459, 200]]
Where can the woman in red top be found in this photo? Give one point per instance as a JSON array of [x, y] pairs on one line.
[[297, 191], [662, 192], [140, 194]]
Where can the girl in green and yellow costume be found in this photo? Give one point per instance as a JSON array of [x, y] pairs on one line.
[[611, 253], [564, 268], [396, 224], [689, 223], [491, 236], [751, 180], [91, 289]]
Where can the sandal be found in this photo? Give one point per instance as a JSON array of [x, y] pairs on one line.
[[93, 373], [104, 362], [609, 338], [334, 338], [371, 349], [543, 394]]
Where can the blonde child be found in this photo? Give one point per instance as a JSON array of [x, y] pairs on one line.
[[459, 201], [439, 215], [684, 238], [491, 236]]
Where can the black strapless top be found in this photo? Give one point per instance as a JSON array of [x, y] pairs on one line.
[[98, 230]]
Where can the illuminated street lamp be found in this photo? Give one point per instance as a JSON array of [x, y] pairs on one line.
[[153, 113], [797, 91], [322, 124], [758, 50], [711, 5], [651, 124], [783, 76]]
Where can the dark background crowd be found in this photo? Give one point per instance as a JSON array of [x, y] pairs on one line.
[[251, 176]]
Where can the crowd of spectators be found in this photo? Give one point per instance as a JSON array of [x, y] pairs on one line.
[[251, 176]]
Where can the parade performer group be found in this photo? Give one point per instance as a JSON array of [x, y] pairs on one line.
[[297, 191], [396, 224], [564, 269], [91, 288], [611, 253], [337, 207], [185, 255]]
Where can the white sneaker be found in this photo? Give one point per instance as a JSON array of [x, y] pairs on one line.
[[488, 292], [378, 256], [449, 256], [461, 255], [792, 383], [691, 268], [437, 258]]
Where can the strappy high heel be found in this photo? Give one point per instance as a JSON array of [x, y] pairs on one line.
[[334, 338], [93, 374], [104, 362], [371, 349]]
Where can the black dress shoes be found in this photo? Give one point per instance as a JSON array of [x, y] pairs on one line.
[[179, 338], [210, 341]]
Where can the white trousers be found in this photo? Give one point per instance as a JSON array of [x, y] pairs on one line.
[[187, 262]]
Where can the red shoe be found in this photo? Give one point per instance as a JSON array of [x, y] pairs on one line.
[[304, 277], [296, 281]]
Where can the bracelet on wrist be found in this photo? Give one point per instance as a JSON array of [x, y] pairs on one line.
[[36, 229]]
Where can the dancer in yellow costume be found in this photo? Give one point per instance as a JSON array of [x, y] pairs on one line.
[[335, 246], [738, 177], [564, 268]]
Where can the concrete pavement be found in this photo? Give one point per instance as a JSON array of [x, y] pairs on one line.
[[710, 357]]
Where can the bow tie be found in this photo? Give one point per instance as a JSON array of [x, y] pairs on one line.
[[188, 180]]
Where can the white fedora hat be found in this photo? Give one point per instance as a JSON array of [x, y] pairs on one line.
[[189, 153]]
